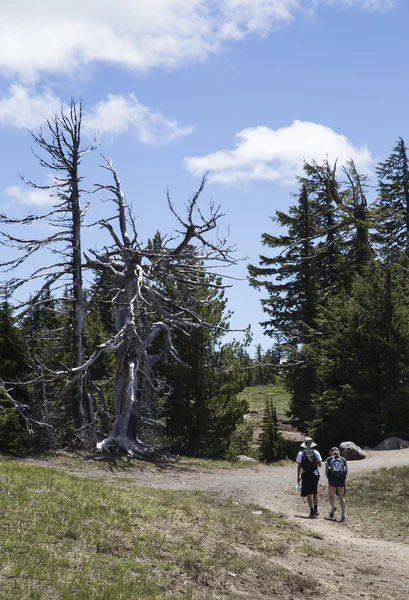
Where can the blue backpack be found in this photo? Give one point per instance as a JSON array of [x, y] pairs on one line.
[[337, 468]]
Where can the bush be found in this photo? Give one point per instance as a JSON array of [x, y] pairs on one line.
[[240, 441], [13, 436]]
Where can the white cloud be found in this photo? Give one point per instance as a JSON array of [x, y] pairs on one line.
[[30, 196], [365, 4], [56, 37], [21, 108], [120, 113], [264, 153]]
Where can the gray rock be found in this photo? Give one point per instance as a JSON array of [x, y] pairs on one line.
[[351, 451], [392, 443], [244, 458]]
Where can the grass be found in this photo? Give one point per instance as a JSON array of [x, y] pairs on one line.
[[256, 396], [311, 550], [67, 537], [76, 462], [379, 500]]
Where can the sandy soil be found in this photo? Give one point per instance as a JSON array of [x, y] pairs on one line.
[[368, 568]]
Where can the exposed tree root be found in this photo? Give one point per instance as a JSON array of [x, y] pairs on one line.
[[134, 448]]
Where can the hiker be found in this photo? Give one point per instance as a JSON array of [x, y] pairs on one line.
[[308, 460], [336, 470]]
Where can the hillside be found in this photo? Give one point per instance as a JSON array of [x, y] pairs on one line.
[[132, 531], [257, 396]]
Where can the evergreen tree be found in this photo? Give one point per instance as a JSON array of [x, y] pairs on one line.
[[322, 187], [248, 366], [343, 221], [355, 206], [290, 278], [13, 356], [259, 368], [13, 368], [326, 244], [363, 358], [271, 361], [271, 442], [203, 406], [240, 441], [46, 331], [393, 204], [263, 366], [99, 327], [301, 380], [292, 282]]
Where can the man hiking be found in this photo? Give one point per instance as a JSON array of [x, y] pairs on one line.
[[308, 461]]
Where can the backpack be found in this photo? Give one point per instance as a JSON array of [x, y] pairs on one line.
[[337, 468], [309, 461]]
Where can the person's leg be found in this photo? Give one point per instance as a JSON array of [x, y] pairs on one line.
[[310, 504], [315, 502], [331, 499], [341, 491], [315, 496]]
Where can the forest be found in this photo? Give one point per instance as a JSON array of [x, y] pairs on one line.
[[136, 360]]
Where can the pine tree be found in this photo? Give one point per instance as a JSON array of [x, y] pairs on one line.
[[356, 211], [99, 327], [393, 204], [326, 244], [13, 356], [292, 282], [363, 357], [48, 341], [203, 408], [290, 278], [322, 188], [343, 221], [13, 368], [271, 442]]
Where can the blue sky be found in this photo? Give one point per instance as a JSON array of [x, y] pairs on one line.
[[243, 89]]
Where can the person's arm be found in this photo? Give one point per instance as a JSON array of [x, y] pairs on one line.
[[319, 459], [298, 472]]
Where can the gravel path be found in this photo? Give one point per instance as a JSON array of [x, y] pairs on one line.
[[369, 568]]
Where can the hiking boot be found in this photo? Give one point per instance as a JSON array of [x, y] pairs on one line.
[[332, 513], [316, 511], [343, 518], [312, 513]]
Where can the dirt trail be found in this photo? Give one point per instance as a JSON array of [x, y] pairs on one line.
[[367, 568]]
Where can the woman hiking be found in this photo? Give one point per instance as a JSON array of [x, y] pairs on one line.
[[336, 470]]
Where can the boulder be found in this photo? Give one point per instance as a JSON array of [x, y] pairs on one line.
[[244, 458], [351, 451], [392, 443]]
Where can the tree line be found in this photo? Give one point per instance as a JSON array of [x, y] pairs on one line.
[[337, 300], [135, 361]]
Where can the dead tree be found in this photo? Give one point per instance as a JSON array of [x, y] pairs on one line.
[[146, 313], [62, 154]]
